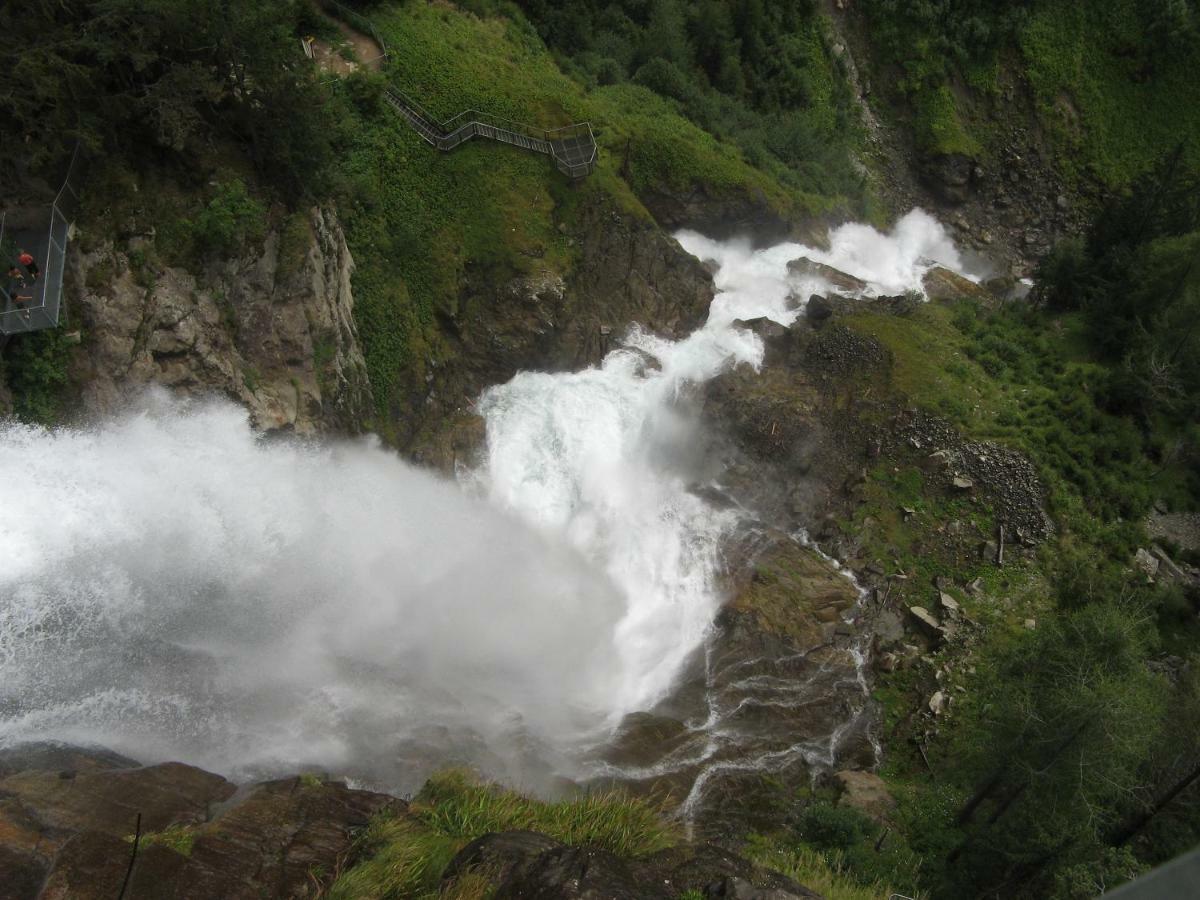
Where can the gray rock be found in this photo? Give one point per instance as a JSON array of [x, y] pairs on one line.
[[818, 309], [927, 623], [938, 703], [577, 873], [844, 282], [249, 329], [742, 889], [1146, 562]]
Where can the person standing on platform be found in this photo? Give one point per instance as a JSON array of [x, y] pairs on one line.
[[25, 258]]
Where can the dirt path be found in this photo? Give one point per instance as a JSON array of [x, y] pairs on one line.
[[364, 52]]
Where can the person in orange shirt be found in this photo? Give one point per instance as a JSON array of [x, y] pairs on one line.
[[25, 258]]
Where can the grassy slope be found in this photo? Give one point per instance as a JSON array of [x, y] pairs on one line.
[[1024, 379], [423, 217], [403, 856], [1111, 102], [1128, 117]]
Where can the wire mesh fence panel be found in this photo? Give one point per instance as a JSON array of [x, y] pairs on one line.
[[37, 303]]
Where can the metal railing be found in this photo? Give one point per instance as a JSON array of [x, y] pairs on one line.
[[18, 318], [572, 147]]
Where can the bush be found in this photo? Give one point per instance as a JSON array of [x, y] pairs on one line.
[[36, 367], [829, 827], [231, 219]]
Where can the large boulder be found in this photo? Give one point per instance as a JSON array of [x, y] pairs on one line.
[[840, 281], [942, 284], [500, 854], [866, 792], [948, 176], [577, 873], [818, 309]]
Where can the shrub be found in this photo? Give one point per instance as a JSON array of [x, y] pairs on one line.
[[829, 827], [231, 219]]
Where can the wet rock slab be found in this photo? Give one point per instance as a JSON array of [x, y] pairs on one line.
[[773, 698]]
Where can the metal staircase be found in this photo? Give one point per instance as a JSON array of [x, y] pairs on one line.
[[572, 148]]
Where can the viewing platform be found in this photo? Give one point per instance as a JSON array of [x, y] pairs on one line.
[[43, 232]]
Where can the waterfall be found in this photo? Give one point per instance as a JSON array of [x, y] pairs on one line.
[[174, 585]]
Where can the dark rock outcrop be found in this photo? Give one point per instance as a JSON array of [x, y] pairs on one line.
[[718, 216], [627, 272], [68, 818], [948, 176], [577, 873], [501, 854]]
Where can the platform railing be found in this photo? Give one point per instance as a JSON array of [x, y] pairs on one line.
[[571, 147], [20, 318]]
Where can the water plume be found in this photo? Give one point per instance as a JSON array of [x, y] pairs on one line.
[[176, 586]]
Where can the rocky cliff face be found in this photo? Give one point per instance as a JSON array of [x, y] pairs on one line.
[[628, 271], [272, 330]]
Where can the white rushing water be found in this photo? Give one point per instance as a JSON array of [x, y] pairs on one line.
[[173, 585]]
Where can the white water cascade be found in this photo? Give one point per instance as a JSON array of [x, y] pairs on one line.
[[173, 585]]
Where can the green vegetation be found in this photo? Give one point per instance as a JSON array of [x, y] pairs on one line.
[[422, 223], [1064, 768], [1113, 79], [759, 75], [824, 871], [404, 856], [1019, 376], [158, 80], [1116, 81], [1136, 282], [179, 838], [937, 126], [36, 369], [223, 225]]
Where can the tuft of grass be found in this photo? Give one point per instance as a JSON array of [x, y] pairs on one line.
[[404, 856], [405, 859], [179, 838], [825, 873], [455, 804]]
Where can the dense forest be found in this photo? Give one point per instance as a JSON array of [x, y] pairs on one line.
[[1075, 763]]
